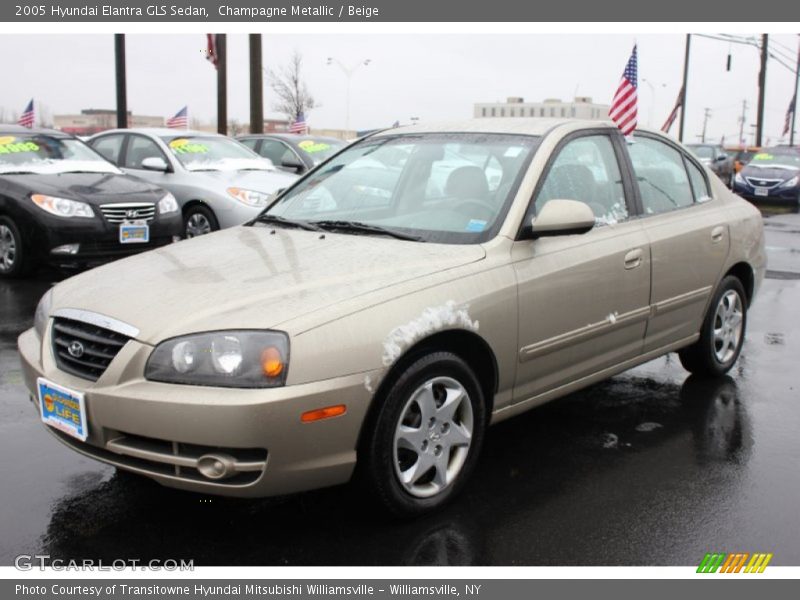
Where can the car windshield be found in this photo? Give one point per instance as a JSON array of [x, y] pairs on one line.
[[703, 151], [44, 154], [776, 160], [448, 188], [214, 153], [320, 150]]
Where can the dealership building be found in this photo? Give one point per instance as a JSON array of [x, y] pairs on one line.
[[581, 107], [95, 120]]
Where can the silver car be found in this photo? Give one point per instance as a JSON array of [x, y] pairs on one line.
[[217, 181], [389, 307]]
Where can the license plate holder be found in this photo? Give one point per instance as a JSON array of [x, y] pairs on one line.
[[134, 232], [62, 408], [761, 191]]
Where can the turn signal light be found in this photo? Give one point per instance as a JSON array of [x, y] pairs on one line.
[[271, 362], [323, 413]]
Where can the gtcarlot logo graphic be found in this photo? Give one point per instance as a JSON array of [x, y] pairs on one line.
[[734, 562]]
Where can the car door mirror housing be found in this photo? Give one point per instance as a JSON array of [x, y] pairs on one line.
[[293, 164], [562, 217], [722, 157], [155, 163]]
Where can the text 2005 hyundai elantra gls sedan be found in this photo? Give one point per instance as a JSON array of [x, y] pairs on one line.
[[415, 288]]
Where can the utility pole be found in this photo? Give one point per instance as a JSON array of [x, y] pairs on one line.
[[741, 122], [794, 100], [762, 84], [222, 84], [122, 91], [256, 85], [683, 89], [706, 115]]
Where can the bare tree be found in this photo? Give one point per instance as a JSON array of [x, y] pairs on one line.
[[292, 97]]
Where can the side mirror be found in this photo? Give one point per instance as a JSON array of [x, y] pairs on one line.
[[722, 157], [293, 164], [155, 163], [562, 217]]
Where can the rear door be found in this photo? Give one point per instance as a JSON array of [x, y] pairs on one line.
[[583, 299], [688, 235]]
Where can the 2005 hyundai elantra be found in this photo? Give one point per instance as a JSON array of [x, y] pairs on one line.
[[384, 310]]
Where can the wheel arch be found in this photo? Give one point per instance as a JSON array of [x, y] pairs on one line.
[[744, 272]]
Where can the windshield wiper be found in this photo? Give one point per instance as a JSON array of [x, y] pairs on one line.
[[359, 227], [276, 220]]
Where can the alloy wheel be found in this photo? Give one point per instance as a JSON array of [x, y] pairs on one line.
[[8, 249], [433, 436], [728, 322], [197, 224]]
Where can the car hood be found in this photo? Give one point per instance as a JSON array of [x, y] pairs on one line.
[[258, 181], [93, 188], [250, 277], [757, 173]]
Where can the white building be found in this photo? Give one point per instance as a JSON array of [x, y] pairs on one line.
[[581, 107]]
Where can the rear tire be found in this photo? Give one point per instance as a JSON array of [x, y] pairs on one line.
[[722, 334], [425, 440], [15, 258], [199, 220]]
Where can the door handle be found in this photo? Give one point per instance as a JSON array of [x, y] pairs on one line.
[[633, 258], [717, 233]]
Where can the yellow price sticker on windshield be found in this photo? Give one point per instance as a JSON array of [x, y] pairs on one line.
[[763, 156], [311, 146], [9, 145], [184, 146]]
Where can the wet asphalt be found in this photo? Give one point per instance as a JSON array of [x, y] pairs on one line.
[[649, 468]]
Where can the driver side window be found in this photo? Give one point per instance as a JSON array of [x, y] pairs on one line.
[[586, 170]]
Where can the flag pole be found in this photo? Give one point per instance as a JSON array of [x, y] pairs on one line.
[[685, 86], [122, 92], [222, 84], [256, 85], [794, 105]]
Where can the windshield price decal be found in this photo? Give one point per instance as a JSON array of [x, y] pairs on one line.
[[184, 146], [311, 146], [9, 146], [763, 156]]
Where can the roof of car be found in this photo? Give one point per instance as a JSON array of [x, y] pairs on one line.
[[5, 128], [509, 125], [161, 132], [291, 137]]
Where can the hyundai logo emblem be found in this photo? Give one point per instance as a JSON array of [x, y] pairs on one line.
[[75, 349], [131, 214]]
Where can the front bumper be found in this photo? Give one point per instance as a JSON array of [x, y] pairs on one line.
[[776, 194], [160, 430]]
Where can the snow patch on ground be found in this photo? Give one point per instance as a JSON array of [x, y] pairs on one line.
[[436, 318]]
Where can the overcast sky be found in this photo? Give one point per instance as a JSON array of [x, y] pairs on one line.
[[430, 76]]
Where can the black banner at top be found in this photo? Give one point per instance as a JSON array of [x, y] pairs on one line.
[[262, 11]]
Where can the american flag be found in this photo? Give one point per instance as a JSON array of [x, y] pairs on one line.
[[299, 125], [180, 120], [624, 106], [674, 114], [787, 124], [28, 117], [211, 48]]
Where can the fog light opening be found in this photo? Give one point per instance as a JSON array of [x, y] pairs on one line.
[[66, 249], [216, 466], [323, 413]]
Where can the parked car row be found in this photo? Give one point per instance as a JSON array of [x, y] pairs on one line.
[[75, 203], [717, 159]]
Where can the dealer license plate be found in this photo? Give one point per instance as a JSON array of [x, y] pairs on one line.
[[63, 408], [134, 233], [761, 191]]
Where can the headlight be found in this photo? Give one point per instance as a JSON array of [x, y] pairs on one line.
[[249, 197], [240, 359], [42, 314], [167, 204], [791, 183], [62, 207], [739, 179]]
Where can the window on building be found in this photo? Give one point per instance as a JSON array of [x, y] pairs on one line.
[[483, 111], [552, 112], [510, 112], [493, 111], [502, 112], [572, 111], [541, 112]]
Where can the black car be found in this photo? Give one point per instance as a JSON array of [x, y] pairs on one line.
[[773, 174], [291, 152], [62, 203]]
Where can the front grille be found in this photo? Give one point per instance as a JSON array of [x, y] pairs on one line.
[[93, 348], [763, 183], [118, 213]]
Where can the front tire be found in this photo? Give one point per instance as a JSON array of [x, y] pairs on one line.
[[426, 437], [199, 220], [722, 334], [14, 255]]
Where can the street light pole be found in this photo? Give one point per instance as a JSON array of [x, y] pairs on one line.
[[348, 71], [794, 101], [762, 84], [122, 92]]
